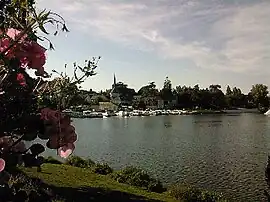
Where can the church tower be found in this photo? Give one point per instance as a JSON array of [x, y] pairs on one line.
[[114, 79]]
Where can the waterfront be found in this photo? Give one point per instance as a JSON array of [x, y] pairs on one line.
[[226, 153]]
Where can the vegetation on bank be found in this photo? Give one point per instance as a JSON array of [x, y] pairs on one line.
[[180, 97], [79, 180]]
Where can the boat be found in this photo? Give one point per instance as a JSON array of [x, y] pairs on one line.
[[107, 114], [122, 114], [92, 114]]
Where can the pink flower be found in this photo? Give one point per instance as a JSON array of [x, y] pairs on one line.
[[66, 150], [4, 44], [2, 164], [71, 137], [30, 53], [53, 142], [65, 122], [50, 115], [14, 33], [21, 79], [34, 53]]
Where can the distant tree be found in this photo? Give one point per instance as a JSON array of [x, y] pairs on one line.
[[149, 94], [167, 84], [228, 90], [166, 91], [217, 97], [259, 93]]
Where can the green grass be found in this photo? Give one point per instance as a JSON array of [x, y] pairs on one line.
[[78, 184]]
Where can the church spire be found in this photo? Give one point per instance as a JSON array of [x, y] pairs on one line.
[[114, 79]]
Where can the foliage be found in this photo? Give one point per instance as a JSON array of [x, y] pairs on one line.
[[23, 188], [26, 113], [102, 169], [79, 162], [191, 194], [52, 160], [148, 96], [72, 178], [138, 177], [166, 91], [259, 94], [61, 92]]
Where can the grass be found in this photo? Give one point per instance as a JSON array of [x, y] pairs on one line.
[[79, 184]]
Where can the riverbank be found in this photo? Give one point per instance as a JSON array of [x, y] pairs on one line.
[[83, 180], [78, 184], [141, 113], [148, 112]]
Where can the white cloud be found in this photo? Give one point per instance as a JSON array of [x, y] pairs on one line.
[[212, 34]]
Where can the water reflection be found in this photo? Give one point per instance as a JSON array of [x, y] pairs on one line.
[[223, 153]]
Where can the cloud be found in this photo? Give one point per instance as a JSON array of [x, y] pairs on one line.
[[219, 35]]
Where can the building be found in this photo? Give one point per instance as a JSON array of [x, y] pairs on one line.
[[120, 94], [104, 106]]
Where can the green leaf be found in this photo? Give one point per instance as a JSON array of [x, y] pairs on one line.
[[43, 136], [51, 46], [41, 27], [64, 28], [37, 149], [30, 136], [29, 160]]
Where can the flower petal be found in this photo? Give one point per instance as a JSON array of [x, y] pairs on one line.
[[66, 150], [2, 164]]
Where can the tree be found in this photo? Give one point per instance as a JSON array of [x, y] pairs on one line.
[[166, 91], [259, 93], [217, 97], [228, 90], [24, 114], [149, 94]]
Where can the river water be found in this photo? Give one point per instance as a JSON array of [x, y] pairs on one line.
[[225, 153]]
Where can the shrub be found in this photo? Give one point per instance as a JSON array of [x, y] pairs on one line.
[[24, 188], [80, 162], [191, 194], [52, 160], [103, 169], [138, 177]]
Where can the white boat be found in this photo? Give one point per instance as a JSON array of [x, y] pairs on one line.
[[165, 112], [145, 113], [122, 114], [91, 114], [152, 113], [108, 114], [174, 112], [135, 113]]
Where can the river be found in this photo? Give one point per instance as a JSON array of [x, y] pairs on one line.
[[225, 153]]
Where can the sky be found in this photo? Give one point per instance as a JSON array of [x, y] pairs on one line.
[[192, 42]]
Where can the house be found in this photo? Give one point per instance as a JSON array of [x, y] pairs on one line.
[[108, 106]]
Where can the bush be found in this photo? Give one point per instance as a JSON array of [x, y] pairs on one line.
[[191, 194], [52, 160], [138, 177], [102, 169], [24, 188], [80, 162]]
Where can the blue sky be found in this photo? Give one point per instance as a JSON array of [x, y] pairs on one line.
[[191, 41]]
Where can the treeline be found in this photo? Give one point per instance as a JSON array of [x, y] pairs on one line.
[[176, 98], [208, 98]]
